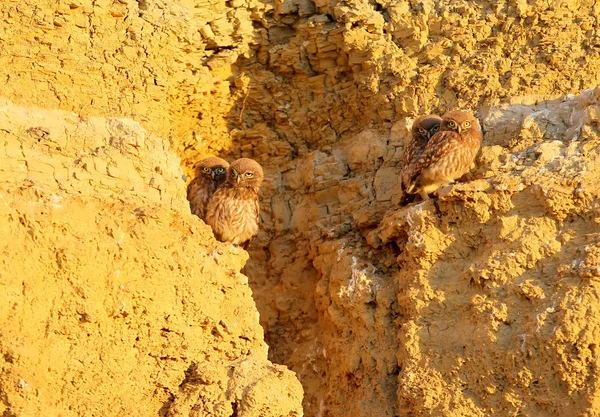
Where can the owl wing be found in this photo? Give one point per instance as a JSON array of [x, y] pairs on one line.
[[256, 214], [257, 210], [198, 194], [413, 150], [440, 144], [217, 214], [192, 189], [192, 195]]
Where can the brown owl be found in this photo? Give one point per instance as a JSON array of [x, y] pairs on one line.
[[210, 173], [423, 128], [448, 154], [233, 211]]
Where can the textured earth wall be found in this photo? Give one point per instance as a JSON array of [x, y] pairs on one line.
[[115, 300], [371, 326], [325, 70], [164, 64], [486, 307]]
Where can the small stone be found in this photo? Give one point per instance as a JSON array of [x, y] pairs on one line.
[[113, 171]]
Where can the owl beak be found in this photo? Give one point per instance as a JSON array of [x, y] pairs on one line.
[[458, 129], [212, 174], [238, 179]]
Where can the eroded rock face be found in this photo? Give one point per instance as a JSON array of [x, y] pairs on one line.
[[483, 308], [113, 294], [327, 112], [346, 66], [166, 64]]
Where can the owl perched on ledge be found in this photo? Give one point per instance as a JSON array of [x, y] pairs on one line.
[[423, 128], [448, 154], [210, 173], [233, 212]]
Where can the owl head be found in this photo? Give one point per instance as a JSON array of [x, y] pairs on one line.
[[425, 126], [245, 172], [459, 121], [213, 168]]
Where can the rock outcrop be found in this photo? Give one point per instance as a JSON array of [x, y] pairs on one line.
[[115, 299], [484, 307], [328, 107]]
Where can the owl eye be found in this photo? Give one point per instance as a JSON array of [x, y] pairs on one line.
[[451, 124], [249, 174], [220, 170], [434, 129], [422, 131], [466, 124], [206, 169]]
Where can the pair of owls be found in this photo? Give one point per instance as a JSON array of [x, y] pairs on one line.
[[440, 151], [225, 197]]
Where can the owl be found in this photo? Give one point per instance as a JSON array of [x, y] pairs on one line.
[[210, 173], [423, 129], [448, 154], [233, 212]]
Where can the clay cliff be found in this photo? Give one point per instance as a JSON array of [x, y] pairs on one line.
[[486, 306], [115, 299]]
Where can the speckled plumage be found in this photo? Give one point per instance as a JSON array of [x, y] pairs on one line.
[[233, 212], [210, 173], [423, 128], [448, 154]]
